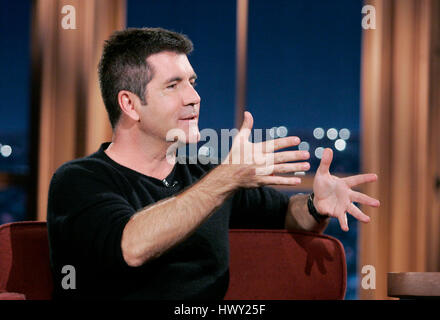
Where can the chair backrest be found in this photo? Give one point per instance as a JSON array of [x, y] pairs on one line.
[[282, 265], [24, 260]]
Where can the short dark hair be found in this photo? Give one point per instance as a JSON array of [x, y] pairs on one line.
[[123, 64]]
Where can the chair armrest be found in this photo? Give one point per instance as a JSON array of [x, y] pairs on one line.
[[5, 295]]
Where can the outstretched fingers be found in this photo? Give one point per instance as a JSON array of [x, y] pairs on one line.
[[343, 222], [280, 143], [283, 168], [279, 180], [357, 213], [287, 156], [360, 179], [364, 199], [291, 167], [326, 161]]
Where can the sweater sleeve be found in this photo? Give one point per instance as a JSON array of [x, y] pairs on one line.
[[86, 218], [259, 208]]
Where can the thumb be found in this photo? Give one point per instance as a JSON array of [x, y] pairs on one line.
[[248, 122], [326, 160]]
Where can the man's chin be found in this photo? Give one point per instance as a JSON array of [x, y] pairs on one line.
[[188, 138], [192, 133], [193, 137], [184, 134]]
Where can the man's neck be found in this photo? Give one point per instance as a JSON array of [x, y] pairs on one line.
[[146, 155]]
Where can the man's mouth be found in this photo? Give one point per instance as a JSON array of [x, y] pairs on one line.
[[190, 117]]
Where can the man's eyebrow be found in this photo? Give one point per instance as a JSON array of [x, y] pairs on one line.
[[178, 79]]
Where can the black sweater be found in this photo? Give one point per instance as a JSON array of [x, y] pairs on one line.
[[90, 201]]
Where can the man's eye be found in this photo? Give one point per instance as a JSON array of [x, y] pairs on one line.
[[194, 84], [171, 86]]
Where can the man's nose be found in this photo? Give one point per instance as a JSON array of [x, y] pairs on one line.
[[191, 96]]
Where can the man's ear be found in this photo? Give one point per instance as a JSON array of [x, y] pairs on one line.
[[127, 101]]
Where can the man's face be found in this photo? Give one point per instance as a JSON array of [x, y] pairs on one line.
[[172, 101]]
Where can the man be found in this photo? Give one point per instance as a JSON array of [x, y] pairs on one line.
[[135, 223]]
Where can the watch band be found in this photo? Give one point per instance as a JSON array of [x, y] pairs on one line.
[[312, 210]]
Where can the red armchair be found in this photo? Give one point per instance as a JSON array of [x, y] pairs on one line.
[[24, 261], [265, 264], [282, 265]]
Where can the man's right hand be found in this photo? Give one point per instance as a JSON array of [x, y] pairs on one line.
[[257, 164], [160, 226]]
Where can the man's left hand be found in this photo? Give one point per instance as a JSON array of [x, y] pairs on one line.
[[334, 196]]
